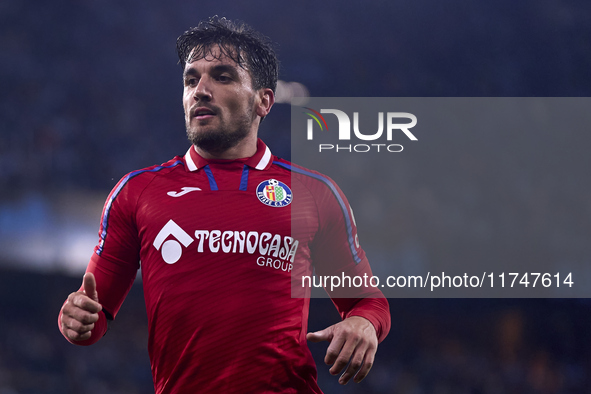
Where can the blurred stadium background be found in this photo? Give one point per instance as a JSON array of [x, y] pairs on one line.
[[91, 90]]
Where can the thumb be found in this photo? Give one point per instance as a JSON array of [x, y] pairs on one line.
[[322, 335], [89, 285]]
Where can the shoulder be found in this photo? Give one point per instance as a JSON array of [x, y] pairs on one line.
[[121, 203], [316, 182], [303, 174], [311, 185], [158, 169], [132, 184], [145, 175]]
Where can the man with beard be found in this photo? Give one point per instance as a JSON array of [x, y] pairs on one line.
[[213, 232]]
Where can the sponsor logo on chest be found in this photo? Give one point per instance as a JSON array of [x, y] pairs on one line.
[[273, 250]]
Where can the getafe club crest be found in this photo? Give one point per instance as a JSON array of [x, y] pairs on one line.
[[274, 193]]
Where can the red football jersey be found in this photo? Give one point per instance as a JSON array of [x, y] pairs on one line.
[[220, 243]]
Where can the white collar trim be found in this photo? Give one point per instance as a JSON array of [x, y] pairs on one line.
[[189, 160], [264, 160], [262, 164]]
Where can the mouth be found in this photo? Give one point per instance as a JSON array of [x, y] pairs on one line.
[[203, 113]]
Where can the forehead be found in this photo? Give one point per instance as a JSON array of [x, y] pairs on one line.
[[212, 57]]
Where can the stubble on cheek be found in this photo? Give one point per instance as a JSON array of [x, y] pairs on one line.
[[219, 134]]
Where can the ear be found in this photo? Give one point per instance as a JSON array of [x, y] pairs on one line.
[[266, 101]]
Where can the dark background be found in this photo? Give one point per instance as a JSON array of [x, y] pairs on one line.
[[91, 90]]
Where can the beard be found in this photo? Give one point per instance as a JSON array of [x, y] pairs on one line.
[[219, 140]]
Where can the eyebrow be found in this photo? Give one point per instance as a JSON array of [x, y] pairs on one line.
[[220, 68]]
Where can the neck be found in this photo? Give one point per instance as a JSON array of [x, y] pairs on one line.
[[245, 148]]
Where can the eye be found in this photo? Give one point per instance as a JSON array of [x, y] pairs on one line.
[[224, 78], [192, 82]]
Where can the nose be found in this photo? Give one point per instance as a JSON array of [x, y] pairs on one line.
[[202, 90]]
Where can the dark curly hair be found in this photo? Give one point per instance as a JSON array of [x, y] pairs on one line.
[[236, 40]]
